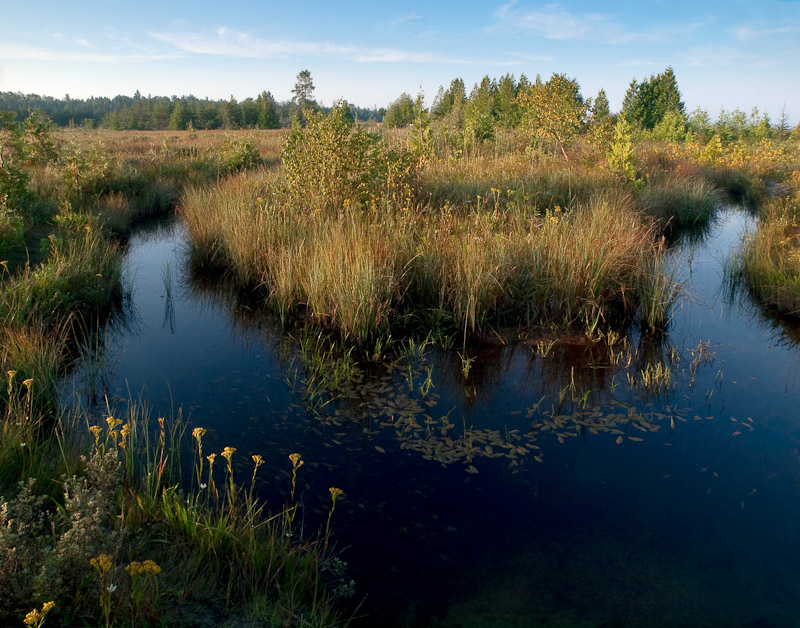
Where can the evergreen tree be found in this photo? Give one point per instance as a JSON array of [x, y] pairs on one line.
[[600, 109], [267, 115], [647, 103], [180, 116], [505, 102], [230, 114], [400, 112], [304, 92], [479, 112]]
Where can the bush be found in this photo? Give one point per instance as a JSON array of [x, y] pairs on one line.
[[330, 164]]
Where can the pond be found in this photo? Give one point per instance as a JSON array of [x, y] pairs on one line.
[[550, 481]]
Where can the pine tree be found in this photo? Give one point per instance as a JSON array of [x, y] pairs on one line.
[[304, 92], [647, 103], [601, 110], [267, 115]]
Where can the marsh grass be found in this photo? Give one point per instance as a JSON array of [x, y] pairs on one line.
[[768, 263], [478, 238], [677, 200], [361, 272], [129, 542]]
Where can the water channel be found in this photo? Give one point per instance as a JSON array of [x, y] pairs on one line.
[[556, 485]]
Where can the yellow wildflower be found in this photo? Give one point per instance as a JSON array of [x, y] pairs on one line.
[[101, 563], [228, 452]]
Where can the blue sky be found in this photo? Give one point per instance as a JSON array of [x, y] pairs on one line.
[[738, 53]]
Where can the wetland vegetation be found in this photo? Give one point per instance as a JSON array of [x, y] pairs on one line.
[[406, 270]]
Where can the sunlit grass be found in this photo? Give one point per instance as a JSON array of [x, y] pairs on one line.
[[477, 264], [769, 262]]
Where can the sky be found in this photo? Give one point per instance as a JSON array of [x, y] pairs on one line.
[[725, 53]]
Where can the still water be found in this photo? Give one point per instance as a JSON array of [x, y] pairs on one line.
[[555, 485]]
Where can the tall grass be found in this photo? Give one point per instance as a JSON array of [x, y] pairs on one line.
[[130, 543], [350, 270], [678, 200], [769, 262]]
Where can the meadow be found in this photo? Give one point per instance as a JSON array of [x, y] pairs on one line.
[[366, 235]]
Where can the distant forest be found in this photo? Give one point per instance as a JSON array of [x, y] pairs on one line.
[[139, 112]]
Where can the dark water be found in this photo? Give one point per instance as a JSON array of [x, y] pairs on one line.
[[551, 487]]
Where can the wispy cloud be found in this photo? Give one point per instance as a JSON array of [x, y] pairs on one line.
[[231, 43], [746, 33], [225, 42], [554, 21], [113, 47], [411, 17], [61, 38], [724, 56], [33, 53]]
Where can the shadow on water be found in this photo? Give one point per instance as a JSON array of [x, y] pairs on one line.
[[631, 481]]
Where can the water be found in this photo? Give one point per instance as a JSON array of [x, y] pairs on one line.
[[543, 490]]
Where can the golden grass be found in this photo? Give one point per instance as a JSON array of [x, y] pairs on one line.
[[479, 265]]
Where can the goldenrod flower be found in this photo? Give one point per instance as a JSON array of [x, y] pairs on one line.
[[227, 453], [124, 432], [101, 563], [296, 461], [36, 618], [198, 433], [258, 460], [151, 568]]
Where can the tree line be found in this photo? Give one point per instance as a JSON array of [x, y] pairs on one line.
[[555, 110], [140, 112]]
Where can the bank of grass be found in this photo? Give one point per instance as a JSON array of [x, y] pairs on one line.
[[97, 518], [474, 236], [769, 262], [677, 200]]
